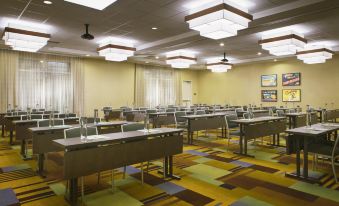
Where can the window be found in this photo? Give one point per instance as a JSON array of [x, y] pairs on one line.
[[44, 84], [159, 87]]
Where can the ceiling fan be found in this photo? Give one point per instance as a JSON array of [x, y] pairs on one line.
[[87, 35]]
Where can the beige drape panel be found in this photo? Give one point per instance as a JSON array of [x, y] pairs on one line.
[[157, 86], [51, 81], [77, 71], [8, 66]]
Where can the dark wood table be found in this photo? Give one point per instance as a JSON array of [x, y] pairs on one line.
[[117, 150], [205, 122], [42, 138], [305, 134], [255, 112], [296, 119], [259, 127], [159, 119], [2, 123]]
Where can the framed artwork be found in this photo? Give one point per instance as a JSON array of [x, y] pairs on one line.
[[291, 79], [269, 80], [291, 95], [269, 95]]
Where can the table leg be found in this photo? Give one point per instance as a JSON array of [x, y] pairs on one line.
[[305, 170], [241, 139], [73, 191], [298, 156], [41, 159], [23, 148], [11, 137], [3, 130]]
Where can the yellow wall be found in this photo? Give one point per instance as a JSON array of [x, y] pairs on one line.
[[112, 84], [108, 84], [242, 86]]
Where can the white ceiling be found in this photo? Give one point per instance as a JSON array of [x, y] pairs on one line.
[[134, 19]]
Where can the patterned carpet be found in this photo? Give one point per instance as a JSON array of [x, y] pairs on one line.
[[211, 175]]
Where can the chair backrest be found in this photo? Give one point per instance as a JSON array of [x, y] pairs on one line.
[[148, 111], [170, 110], [45, 122], [36, 116], [72, 115], [200, 112], [261, 114], [90, 120], [246, 115], [75, 132], [229, 119], [280, 113], [132, 127], [179, 116]]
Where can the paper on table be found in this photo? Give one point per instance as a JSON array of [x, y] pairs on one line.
[[95, 137]]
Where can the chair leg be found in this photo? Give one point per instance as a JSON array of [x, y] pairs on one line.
[[124, 174], [142, 173], [99, 176], [82, 189], [333, 169], [112, 180]]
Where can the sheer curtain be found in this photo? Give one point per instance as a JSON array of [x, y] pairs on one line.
[[8, 66], [45, 81], [156, 86]]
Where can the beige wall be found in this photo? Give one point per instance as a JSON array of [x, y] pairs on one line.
[[241, 85], [108, 83], [112, 84]]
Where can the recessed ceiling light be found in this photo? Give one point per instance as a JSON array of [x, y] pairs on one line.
[[259, 53], [48, 2], [154, 28], [98, 4], [222, 44]]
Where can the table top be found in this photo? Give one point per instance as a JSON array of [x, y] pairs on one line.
[[257, 120], [203, 116], [62, 127], [315, 130], [77, 143], [297, 114]]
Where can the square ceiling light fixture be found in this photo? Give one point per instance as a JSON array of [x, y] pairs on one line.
[[25, 38], [219, 19], [116, 49], [94, 4], [315, 55], [180, 59], [283, 43], [218, 66]]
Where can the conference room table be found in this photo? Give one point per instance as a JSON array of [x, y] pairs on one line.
[[205, 122], [159, 119], [302, 136], [259, 127], [255, 112], [42, 138], [2, 123], [211, 111], [117, 150], [296, 119]]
